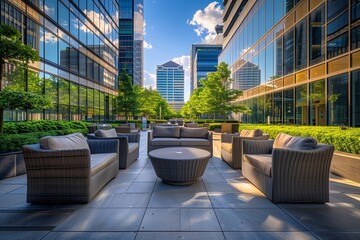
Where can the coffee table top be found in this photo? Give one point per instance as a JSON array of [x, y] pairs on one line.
[[179, 153]]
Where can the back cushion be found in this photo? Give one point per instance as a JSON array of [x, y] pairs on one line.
[[108, 133], [169, 132], [251, 133], [132, 125], [283, 140], [187, 132], [72, 141]]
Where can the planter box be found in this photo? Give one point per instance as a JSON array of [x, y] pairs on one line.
[[346, 165], [11, 164]]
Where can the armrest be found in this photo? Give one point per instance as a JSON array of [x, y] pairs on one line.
[[106, 145], [132, 137], [227, 138], [150, 135], [210, 136], [257, 146], [37, 158]]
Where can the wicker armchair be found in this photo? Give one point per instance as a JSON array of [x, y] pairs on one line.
[[231, 145], [71, 175], [128, 147], [288, 174]]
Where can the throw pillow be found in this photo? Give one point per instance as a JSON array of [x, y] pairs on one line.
[[72, 141]]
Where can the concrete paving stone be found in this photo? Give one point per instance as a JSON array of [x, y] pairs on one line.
[[239, 200], [22, 235], [141, 188], [180, 236], [123, 200], [180, 199], [329, 235], [7, 188], [232, 187], [196, 187], [111, 219], [161, 220], [212, 175], [198, 220], [336, 219], [269, 235], [90, 236], [261, 219]]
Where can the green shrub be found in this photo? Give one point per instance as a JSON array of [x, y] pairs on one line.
[[213, 126], [344, 140]]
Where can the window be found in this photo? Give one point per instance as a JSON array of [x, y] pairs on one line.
[[269, 62], [64, 54], [289, 52], [301, 105], [355, 95], [355, 10], [289, 106], [317, 103], [335, 7], [278, 57], [51, 47], [301, 44], [50, 9], [338, 23], [355, 38], [63, 16], [317, 35], [337, 46], [338, 100], [278, 107]]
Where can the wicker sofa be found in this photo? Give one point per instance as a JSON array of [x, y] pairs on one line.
[[162, 137], [69, 169], [231, 145], [129, 145], [289, 169]]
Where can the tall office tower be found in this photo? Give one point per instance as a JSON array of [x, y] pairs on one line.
[[131, 35], [307, 53], [170, 83], [78, 46], [203, 60]]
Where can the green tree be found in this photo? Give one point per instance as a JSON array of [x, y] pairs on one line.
[[217, 97], [13, 51], [127, 101]]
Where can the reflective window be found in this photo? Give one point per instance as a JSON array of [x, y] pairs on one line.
[[338, 100], [338, 23], [301, 105], [335, 7], [262, 66], [278, 57], [51, 47], [74, 60], [269, 14], [269, 62], [74, 26], [269, 104], [301, 45], [289, 106], [317, 103], [278, 107], [50, 8], [337, 46], [355, 96], [63, 16], [355, 10], [355, 38], [289, 52], [317, 35], [51, 91], [64, 54], [82, 64]]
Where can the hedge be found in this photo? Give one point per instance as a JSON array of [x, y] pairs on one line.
[[344, 139]]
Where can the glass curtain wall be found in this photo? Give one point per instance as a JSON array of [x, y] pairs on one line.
[[317, 103], [338, 100]]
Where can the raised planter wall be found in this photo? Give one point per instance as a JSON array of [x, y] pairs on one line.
[[346, 165], [11, 164]]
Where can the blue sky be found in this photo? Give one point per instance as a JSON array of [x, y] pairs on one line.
[[171, 26]]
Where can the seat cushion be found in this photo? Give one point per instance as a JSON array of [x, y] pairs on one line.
[[100, 161], [166, 132], [227, 147], [165, 142], [106, 133], [187, 132], [283, 140], [133, 146], [194, 142], [71, 141], [251, 133], [261, 162]]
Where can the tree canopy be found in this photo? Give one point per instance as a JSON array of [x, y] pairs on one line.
[[215, 96], [127, 101]]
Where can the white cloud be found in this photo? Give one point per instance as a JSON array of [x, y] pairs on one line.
[[185, 62], [98, 20], [149, 79], [205, 21], [147, 45]]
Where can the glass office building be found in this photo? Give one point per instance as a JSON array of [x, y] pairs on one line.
[[170, 83], [203, 59], [307, 56], [78, 46], [131, 37]]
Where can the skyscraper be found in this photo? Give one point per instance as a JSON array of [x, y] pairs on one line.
[[78, 46], [131, 35], [170, 83], [307, 53], [203, 59]]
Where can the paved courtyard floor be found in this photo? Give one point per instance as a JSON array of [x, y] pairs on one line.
[[221, 205]]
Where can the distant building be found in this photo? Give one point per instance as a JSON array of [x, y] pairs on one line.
[[203, 59], [131, 37], [170, 83], [246, 77]]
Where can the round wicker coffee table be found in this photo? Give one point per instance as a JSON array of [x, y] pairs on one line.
[[179, 165]]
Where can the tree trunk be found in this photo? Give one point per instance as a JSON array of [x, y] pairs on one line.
[[126, 117]]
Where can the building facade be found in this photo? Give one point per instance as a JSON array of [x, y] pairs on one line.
[[170, 83], [131, 35], [203, 60], [308, 56], [78, 44]]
